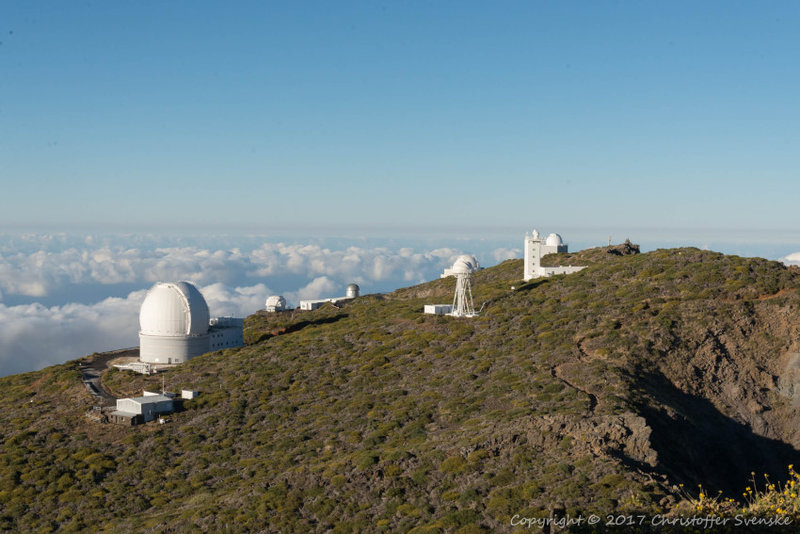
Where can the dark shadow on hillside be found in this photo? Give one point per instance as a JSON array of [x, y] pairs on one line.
[[299, 326], [532, 285], [700, 445]]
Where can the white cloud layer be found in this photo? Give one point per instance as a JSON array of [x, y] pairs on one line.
[[39, 273], [234, 282], [503, 254], [33, 336], [791, 259]]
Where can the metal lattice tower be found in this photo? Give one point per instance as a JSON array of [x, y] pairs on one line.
[[462, 300]]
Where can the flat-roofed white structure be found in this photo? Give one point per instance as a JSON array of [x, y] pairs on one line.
[[141, 409], [138, 367], [438, 309], [225, 333], [308, 305], [175, 325], [352, 291]]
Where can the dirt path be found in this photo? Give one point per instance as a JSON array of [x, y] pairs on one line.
[[584, 357], [558, 374], [781, 293], [93, 369]]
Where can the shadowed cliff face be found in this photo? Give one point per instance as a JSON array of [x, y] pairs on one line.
[[724, 403], [697, 444], [710, 361]]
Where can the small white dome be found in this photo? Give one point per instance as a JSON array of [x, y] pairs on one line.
[[174, 309], [554, 240], [276, 301]]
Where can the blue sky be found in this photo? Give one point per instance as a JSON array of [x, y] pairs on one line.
[[354, 117], [294, 147]]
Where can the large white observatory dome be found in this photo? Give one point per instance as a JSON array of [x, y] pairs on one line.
[[174, 309], [554, 240]]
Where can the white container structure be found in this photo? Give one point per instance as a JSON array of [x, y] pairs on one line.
[[147, 407], [438, 309]]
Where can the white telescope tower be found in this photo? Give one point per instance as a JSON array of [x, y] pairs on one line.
[[462, 300]]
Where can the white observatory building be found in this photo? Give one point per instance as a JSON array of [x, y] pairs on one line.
[[536, 247], [275, 303], [470, 261], [462, 305], [175, 325], [352, 292]]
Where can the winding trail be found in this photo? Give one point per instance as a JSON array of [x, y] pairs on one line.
[[557, 371]]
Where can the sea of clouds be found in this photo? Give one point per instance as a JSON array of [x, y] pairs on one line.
[[65, 296], [62, 297]]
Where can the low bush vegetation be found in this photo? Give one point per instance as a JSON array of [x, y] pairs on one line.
[[374, 417]]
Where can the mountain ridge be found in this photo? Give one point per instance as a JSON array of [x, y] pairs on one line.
[[579, 392]]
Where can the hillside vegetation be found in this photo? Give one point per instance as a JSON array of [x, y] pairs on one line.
[[591, 392]]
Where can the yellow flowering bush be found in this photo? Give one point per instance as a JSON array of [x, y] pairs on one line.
[[775, 499]]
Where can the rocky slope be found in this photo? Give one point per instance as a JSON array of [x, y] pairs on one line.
[[590, 392]]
